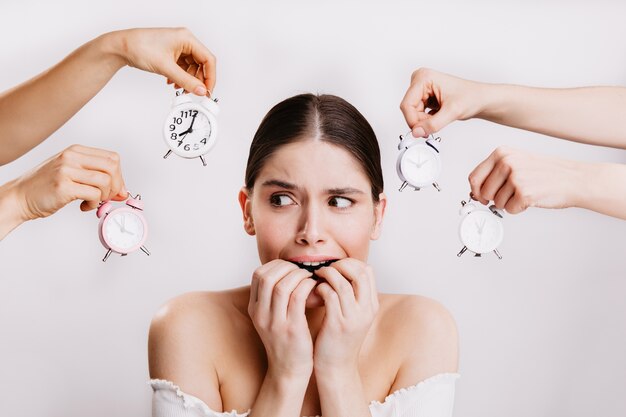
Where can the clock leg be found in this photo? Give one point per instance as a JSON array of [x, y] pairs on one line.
[[462, 251], [416, 188], [436, 186], [107, 255], [167, 154], [202, 159], [145, 250], [403, 186], [497, 253]]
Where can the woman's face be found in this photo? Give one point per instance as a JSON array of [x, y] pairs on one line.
[[312, 202]]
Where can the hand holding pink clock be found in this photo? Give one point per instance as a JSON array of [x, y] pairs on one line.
[[76, 173]]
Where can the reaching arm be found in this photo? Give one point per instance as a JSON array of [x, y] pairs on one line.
[[56, 94], [594, 115]]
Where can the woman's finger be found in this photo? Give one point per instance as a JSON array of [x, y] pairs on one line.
[[331, 299], [283, 291], [355, 272], [341, 287], [297, 301]]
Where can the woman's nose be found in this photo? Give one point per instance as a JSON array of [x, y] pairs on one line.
[[311, 227]]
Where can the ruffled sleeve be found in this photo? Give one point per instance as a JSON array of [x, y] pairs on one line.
[[169, 401], [433, 397]]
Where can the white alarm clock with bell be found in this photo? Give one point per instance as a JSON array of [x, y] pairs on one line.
[[419, 162], [123, 229], [190, 129], [481, 229]]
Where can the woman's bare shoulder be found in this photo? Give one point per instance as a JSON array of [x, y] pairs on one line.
[[414, 311], [200, 310], [421, 328], [191, 320]]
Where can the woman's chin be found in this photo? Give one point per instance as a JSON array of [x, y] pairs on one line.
[[314, 300]]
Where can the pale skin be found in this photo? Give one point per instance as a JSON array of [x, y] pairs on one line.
[[290, 345], [514, 179], [80, 172]]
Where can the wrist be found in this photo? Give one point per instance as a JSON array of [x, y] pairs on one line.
[[491, 99], [336, 381], [287, 384], [112, 47], [289, 377], [11, 211], [590, 185], [336, 373]]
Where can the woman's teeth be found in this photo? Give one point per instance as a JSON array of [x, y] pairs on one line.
[[313, 266]]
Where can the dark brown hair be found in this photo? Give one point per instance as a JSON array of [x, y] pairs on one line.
[[326, 117]]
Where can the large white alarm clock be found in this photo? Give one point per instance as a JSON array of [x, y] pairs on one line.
[[481, 229], [190, 128], [419, 162]]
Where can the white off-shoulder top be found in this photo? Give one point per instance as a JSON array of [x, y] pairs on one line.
[[433, 397]]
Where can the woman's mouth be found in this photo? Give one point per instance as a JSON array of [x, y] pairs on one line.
[[313, 266]]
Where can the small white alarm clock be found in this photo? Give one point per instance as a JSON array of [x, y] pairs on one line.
[[190, 128], [419, 162], [124, 229], [481, 229]]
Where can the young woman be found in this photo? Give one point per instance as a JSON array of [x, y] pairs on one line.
[[310, 335]]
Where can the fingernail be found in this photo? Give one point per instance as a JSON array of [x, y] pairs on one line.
[[200, 91], [419, 132]]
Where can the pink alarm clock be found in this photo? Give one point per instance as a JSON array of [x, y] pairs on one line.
[[124, 229]]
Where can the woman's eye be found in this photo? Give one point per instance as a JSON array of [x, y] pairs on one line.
[[340, 202], [280, 200]]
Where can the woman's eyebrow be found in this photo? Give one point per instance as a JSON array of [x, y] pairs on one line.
[[281, 184], [344, 191], [330, 191]]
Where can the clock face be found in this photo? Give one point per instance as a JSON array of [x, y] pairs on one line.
[[481, 231], [124, 230], [420, 165], [190, 130]]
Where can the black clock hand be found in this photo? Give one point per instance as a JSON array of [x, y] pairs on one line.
[[193, 119]]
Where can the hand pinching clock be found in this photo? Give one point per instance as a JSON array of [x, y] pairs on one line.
[[419, 162], [190, 129], [481, 229], [124, 229]]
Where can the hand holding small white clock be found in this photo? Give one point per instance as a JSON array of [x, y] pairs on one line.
[[77, 173], [172, 52], [516, 180]]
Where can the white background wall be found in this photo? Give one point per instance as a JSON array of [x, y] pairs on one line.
[[543, 332]]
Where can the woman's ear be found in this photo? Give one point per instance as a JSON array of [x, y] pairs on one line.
[[245, 202], [379, 213]]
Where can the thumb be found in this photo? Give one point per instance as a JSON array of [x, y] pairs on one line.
[[89, 205], [185, 80], [432, 123]]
